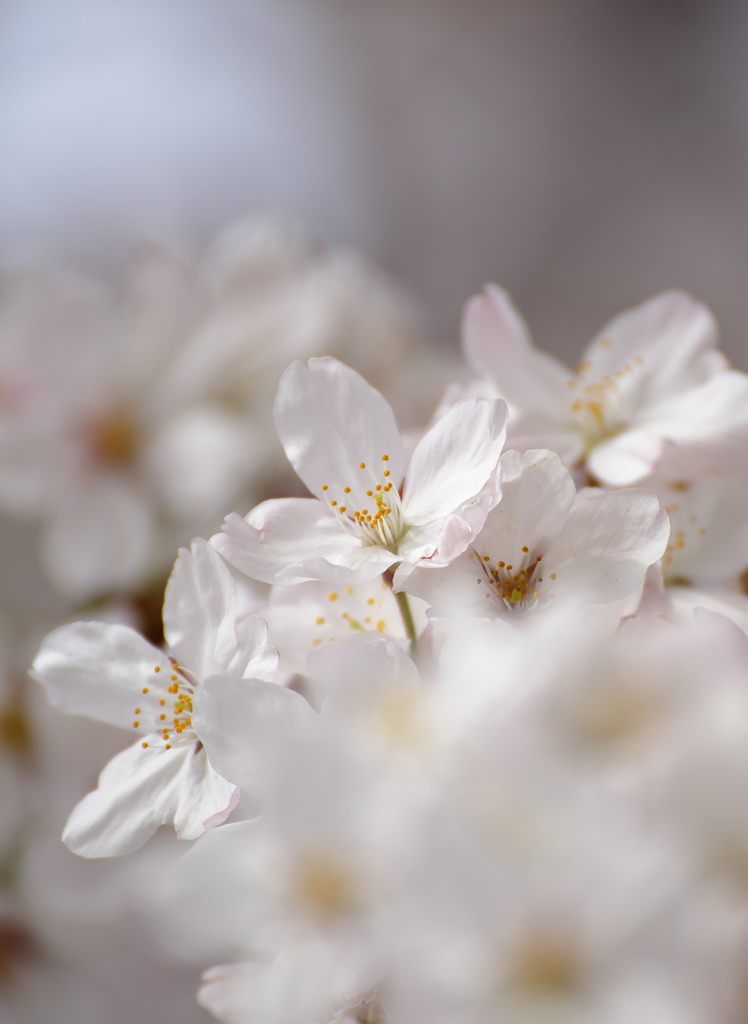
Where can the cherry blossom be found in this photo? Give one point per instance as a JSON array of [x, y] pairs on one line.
[[650, 386], [547, 543], [370, 510], [110, 673]]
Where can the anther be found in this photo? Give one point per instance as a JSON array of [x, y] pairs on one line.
[[144, 745], [174, 678], [486, 558], [553, 576], [385, 458], [320, 620], [137, 711], [369, 493], [380, 625], [386, 473], [525, 549], [362, 465], [332, 596], [324, 487], [346, 490], [135, 725], [333, 503], [144, 690], [342, 508]]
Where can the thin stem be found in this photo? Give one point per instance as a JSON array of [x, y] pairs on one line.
[[406, 614]]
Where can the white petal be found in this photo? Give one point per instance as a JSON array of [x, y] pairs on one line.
[[610, 540], [199, 461], [205, 798], [673, 335], [200, 607], [138, 791], [537, 492], [329, 421], [98, 669], [98, 538], [233, 717], [455, 459], [497, 343], [288, 540], [626, 459]]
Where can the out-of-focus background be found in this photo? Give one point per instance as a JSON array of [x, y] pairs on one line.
[[583, 153]]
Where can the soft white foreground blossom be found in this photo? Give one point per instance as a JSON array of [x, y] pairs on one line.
[[545, 542], [651, 385], [309, 615], [370, 509], [109, 672]]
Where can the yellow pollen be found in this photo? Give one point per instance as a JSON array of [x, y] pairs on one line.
[[370, 601], [342, 508], [509, 568], [137, 711], [349, 590], [553, 575], [346, 490], [525, 549], [369, 493], [362, 465], [135, 725], [486, 558], [320, 620], [316, 642], [324, 487], [144, 690], [162, 717], [385, 458], [380, 625], [144, 745], [332, 596], [162, 702], [501, 564], [167, 746], [333, 503], [379, 487], [173, 678], [386, 472], [157, 668], [367, 620]]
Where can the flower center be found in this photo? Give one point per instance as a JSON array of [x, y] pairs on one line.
[[114, 439], [515, 587], [599, 407], [171, 724], [379, 522], [324, 888]]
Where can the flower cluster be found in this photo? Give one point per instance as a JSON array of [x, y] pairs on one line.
[[485, 746]]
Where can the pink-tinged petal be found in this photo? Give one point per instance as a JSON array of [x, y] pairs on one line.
[[330, 421], [99, 669], [537, 492], [235, 717], [497, 344], [200, 460], [280, 537], [200, 607], [205, 798], [454, 460], [357, 565], [234, 992], [98, 538], [138, 791], [625, 459], [609, 541], [671, 335]]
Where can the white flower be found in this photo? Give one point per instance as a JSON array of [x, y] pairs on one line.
[[341, 438], [651, 380], [310, 615], [547, 543], [110, 673], [92, 440]]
